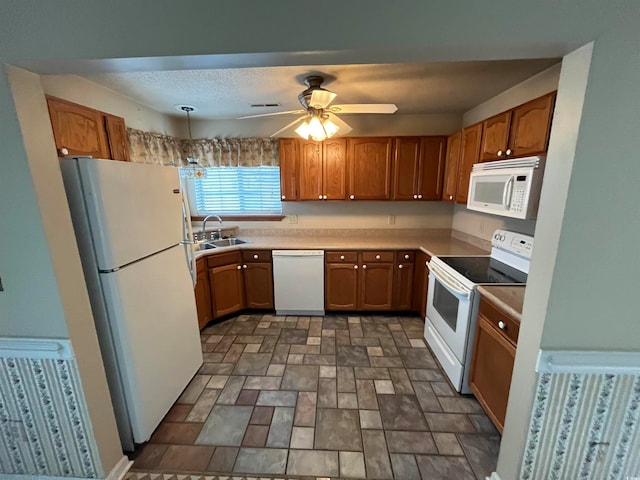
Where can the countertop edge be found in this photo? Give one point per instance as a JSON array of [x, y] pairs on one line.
[[486, 291]]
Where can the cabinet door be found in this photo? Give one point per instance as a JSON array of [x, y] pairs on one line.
[[117, 137], [227, 289], [288, 167], [420, 284], [310, 171], [454, 144], [495, 136], [431, 168], [403, 286], [406, 160], [203, 294], [530, 126], [334, 170], [341, 286], [258, 285], [369, 163], [376, 286], [470, 150], [491, 370], [78, 129]]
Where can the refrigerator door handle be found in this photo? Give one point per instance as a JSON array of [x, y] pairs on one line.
[[187, 230]]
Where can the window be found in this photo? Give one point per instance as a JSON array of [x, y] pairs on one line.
[[239, 191]]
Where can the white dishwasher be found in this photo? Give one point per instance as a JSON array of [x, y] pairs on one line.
[[298, 281]]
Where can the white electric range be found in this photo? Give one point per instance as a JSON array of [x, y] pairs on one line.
[[453, 299]]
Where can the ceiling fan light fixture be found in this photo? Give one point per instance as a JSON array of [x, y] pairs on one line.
[[330, 128], [303, 130]]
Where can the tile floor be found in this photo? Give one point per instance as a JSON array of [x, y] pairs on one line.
[[333, 396]]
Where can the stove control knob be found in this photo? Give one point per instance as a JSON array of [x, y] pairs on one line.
[[501, 325]]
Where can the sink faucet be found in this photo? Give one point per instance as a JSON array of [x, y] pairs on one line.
[[204, 224]]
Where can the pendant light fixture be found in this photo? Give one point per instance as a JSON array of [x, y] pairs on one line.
[[193, 168]]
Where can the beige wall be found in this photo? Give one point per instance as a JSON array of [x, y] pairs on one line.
[[561, 153], [60, 240], [80, 90]]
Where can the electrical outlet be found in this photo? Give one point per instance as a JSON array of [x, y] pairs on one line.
[[293, 218], [391, 220]]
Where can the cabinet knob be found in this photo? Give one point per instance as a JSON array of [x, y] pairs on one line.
[[500, 153], [501, 325], [406, 257], [400, 266], [244, 266], [508, 152], [324, 197], [377, 257], [450, 197], [426, 264], [239, 267], [419, 197], [355, 267], [63, 152], [364, 267], [341, 257], [415, 197], [255, 257], [319, 197], [284, 197], [352, 197]]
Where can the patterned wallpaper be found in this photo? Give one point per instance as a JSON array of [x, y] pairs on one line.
[[44, 424], [584, 426]]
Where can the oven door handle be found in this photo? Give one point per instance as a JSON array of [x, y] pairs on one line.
[[448, 281]]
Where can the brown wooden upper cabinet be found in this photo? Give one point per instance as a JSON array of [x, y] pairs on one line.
[[322, 170], [85, 131], [369, 168], [288, 169], [462, 153], [454, 144], [418, 167], [521, 131], [470, 150]]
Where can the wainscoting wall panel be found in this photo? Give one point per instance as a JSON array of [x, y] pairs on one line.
[[44, 423], [585, 425]]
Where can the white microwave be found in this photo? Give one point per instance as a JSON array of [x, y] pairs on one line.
[[510, 188]]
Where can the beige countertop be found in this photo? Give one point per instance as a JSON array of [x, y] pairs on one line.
[[509, 298], [438, 243]]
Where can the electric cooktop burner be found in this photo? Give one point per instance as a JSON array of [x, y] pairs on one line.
[[485, 270]]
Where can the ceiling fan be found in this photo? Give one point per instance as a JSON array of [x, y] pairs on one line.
[[319, 120]]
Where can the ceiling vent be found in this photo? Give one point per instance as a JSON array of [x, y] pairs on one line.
[[262, 105]]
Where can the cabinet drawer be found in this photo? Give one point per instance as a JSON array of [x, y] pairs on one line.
[[406, 256], [339, 257], [256, 256], [372, 257], [223, 259], [494, 316]]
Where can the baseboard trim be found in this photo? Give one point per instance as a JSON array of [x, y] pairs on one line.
[[494, 476], [120, 469], [588, 362]]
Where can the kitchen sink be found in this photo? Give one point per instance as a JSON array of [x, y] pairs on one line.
[[222, 242], [227, 242]]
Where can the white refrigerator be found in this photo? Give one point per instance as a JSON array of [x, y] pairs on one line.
[[137, 259]]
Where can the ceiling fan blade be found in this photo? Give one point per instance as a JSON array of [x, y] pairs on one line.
[[364, 108], [289, 125], [288, 112], [341, 124], [321, 98]]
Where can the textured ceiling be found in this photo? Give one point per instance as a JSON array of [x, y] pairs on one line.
[[416, 88]]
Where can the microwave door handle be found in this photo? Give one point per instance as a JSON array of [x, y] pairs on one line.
[[508, 191]]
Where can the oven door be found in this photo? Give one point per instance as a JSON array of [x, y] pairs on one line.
[[449, 308]]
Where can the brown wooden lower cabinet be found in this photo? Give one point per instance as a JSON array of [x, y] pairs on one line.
[[203, 294], [227, 289], [258, 285], [369, 280], [420, 284], [494, 352]]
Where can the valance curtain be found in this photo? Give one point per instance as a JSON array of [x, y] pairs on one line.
[[154, 148]]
